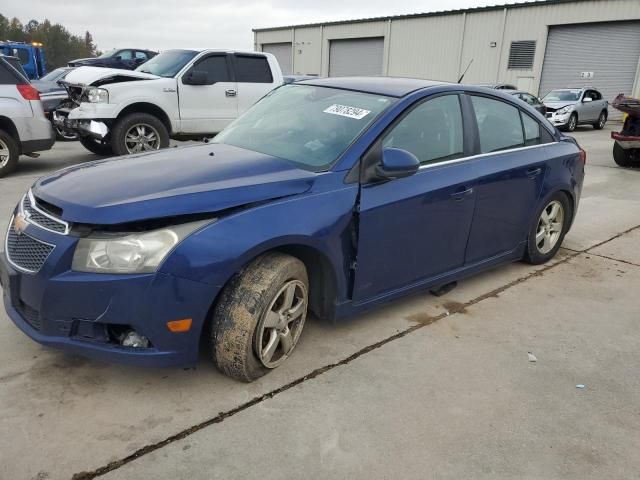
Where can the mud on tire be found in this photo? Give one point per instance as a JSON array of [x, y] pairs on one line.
[[241, 310]]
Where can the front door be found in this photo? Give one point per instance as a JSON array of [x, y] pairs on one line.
[[207, 109], [510, 174], [416, 228]]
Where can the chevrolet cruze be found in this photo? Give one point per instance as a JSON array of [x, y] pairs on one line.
[[328, 196]]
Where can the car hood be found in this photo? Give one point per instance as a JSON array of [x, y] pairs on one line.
[[176, 181], [91, 75], [558, 105]]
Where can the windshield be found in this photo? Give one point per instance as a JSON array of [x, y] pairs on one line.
[[565, 95], [108, 53], [167, 64], [305, 124]]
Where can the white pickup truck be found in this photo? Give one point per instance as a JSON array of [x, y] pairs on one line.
[[178, 94]]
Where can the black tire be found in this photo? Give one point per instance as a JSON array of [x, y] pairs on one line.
[[533, 253], [240, 313], [572, 123], [602, 120], [8, 162], [127, 122], [99, 147], [626, 158]]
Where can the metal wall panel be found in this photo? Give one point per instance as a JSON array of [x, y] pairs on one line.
[[608, 50], [356, 56], [283, 53]]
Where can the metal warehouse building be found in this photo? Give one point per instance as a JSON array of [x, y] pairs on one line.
[[536, 46]]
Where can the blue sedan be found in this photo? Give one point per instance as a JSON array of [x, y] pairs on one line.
[[329, 196]]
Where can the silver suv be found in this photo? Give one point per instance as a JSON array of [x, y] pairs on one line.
[[24, 129], [569, 107]]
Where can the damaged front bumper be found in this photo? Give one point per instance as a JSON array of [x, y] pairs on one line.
[[64, 118]]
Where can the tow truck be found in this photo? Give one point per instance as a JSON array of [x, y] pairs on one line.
[[31, 57]]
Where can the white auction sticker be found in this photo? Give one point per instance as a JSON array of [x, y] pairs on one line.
[[346, 111]]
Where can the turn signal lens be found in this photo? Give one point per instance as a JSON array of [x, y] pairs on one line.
[[178, 326], [28, 92]]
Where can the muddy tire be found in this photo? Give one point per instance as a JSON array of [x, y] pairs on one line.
[[9, 153], [548, 229], [626, 158], [258, 320], [99, 147], [138, 133], [602, 120]]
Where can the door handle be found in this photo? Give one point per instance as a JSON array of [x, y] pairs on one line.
[[460, 194], [534, 172], [230, 92]]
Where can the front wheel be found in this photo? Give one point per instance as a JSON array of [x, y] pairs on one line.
[[548, 229], [626, 158], [94, 145], [259, 318], [137, 133], [572, 123], [9, 153], [602, 119]]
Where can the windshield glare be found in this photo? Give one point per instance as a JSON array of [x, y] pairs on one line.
[[305, 124], [167, 64], [54, 75], [566, 95]]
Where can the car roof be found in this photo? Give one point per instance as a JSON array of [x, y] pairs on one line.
[[388, 86]]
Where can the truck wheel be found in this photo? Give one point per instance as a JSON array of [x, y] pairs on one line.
[[259, 317], [626, 158], [9, 153], [99, 147], [602, 119], [139, 132], [572, 123]]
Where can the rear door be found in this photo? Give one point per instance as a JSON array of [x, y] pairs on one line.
[[511, 166], [254, 79], [207, 109], [416, 228]]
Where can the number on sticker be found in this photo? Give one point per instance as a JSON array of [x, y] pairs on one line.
[[346, 111]]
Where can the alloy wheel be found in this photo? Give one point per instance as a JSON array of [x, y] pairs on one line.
[[602, 120], [550, 226], [281, 325], [5, 154], [572, 123], [142, 137]]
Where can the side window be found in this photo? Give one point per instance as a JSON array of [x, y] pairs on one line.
[[125, 54], [595, 95], [216, 68], [498, 124], [253, 69], [531, 130], [141, 55], [432, 131]]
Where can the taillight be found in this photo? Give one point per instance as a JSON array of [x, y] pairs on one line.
[[28, 92], [583, 155]]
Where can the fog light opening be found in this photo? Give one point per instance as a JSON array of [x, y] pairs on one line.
[[133, 339]]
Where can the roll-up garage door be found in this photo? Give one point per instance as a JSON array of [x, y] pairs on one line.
[[356, 56], [607, 52], [282, 52]]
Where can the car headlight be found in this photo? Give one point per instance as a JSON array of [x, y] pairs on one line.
[[98, 95], [563, 110], [130, 253]]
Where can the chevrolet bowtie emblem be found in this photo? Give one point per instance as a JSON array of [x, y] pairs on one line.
[[20, 223]]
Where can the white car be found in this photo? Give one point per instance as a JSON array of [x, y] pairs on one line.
[[24, 129], [177, 94]]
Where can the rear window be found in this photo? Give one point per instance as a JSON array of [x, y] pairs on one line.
[[253, 69], [9, 75]]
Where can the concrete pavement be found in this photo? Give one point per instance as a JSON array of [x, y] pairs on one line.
[[425, 387]]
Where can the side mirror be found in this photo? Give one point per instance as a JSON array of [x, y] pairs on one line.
[[118, 57], [587, 100], [195, 77], [397, 163]]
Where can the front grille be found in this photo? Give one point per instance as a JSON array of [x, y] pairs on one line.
[[30, 315], [38, 218], [25, 252], [549, 109]]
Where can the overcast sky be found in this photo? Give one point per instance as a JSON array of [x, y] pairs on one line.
[[162, 24]]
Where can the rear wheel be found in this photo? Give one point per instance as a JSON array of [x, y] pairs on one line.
[[9, 153], [548, 229], [94, 145], [626, 157], [602, 119], [137, 133], [260, 316]]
